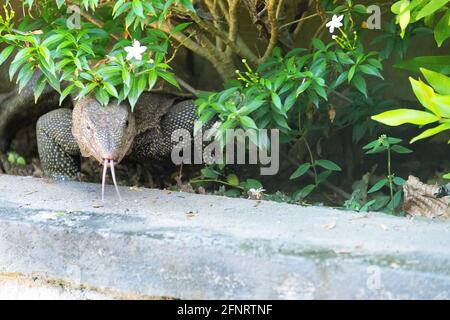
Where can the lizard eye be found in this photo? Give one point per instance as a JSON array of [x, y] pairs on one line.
[[88, 127]]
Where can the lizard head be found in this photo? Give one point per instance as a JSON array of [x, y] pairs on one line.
[[103, 132]]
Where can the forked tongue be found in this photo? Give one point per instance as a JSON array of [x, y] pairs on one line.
[[110, 163], [113, 174]]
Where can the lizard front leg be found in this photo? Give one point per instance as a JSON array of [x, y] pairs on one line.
[[58, 150]]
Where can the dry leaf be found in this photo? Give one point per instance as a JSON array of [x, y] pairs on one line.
[[330, 226], [420, 199]]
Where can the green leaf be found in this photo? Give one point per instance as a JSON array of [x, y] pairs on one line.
[[392, 140], [102, 96], [276, 100], [377, 186], [39, 87], [404, 17], [180, 27], [360, 84], [303, 87], [118, 4], [52, 39], [65, 93], [396, 200], [399, 181], [424, 94], [152, 77], [169, 78], [351, 73], [281, 121], [21, 161], [401, 116], [370, 70], [24, 76], [436, 63], [248, 122], [442, 29], [250, 107], [446, 176], [20, 58], [289, 101], [252, 183], [442, 104], [111, 89], [188, 5], [431, 132], [400, 149], [327, 164], [138, 9], [301, 170], [438, 81], [323, 176], [430, 8], [233, 179], [372, 144], [306, 191], [6, 53], [209, 173]]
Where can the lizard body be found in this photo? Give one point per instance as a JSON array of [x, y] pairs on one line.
[[110, 133]]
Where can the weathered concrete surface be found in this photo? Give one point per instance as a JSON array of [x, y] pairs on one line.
[[162, 244]]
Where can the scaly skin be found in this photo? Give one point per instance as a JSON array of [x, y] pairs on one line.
[[110, 133]]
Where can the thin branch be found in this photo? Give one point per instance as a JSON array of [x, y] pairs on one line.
[[224, 9], [186, 85], [279, 8], [299, 20], [206, 50], [209, 27], [271, 12], [233, 22], [213, 8]]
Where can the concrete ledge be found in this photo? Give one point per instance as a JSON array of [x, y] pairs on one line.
[[161, 244]]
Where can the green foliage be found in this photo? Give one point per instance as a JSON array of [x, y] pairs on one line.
[[91, 60], [439, 64], [281, 89], [15, 159], [230, 184], [434, 13], [288, 90], [435, 98], [393, 183]]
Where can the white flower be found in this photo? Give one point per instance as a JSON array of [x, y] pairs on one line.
[[256, 194], [151, 61], [335, 23], [135, 51]]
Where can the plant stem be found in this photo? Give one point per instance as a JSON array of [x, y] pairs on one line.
[[312, 161], [389, 173]]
